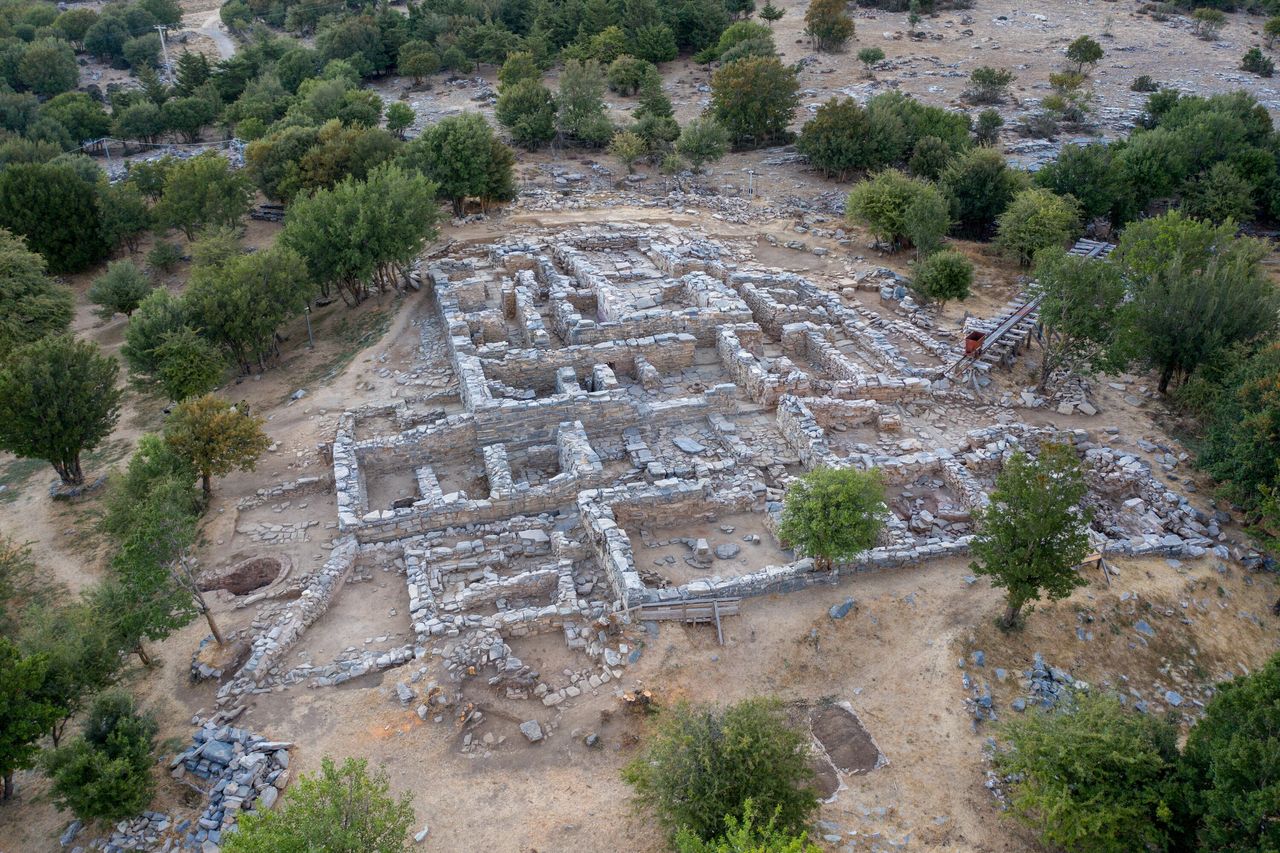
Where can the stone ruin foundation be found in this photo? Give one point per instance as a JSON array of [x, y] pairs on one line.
[[618, 389]]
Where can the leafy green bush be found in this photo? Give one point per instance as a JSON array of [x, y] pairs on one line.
[[944, 276], [702, 765], [1095, 777], [833, 514], [1256, 63], [106, 772], [988, 85], [1036, 219], [119, 290], [899, 210]]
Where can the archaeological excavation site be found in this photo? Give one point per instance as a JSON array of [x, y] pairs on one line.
[[639, 426]]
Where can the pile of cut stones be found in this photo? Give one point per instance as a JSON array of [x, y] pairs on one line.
[[247, 773]]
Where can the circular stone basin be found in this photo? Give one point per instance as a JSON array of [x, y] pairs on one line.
[[245, 576]]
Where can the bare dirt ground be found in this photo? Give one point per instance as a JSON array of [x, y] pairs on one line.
[[894, 658]]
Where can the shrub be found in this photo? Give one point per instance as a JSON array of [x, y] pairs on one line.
[[1271, 29], [747, 835], [1095, 776], [1144, 83], [1084, 51], [106, 772], [1207, 23], [1255, 63], [1034, 220], [944, 276], [987, 128], [988, 85], [339, 809], [164, 256], [701, 141], [894, 207], [627, 74], [869, 56], [703, 765], [119, 290]]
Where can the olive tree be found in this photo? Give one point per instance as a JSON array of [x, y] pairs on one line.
[[58, 398]]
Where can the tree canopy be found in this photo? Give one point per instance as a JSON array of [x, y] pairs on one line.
[[1032, 534], [833, 514]]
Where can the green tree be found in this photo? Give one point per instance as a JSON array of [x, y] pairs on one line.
[[192, 71], [1080, 313], [839, 140], [142, 51], [833, 514], [827, 24], [141, 121], [363, 234], [48, 67], [188, 365], [1084, 51], [988, 85], [1271, 29], [739, 40], [156, 316], [1036, 219], [527, 110], [628, 147], [1096, 777], [203, 191], [869, 56], [1092, 175], [240, 302], [31, 305], [56, 210], [1197, 290], [703, 765], [607, 45], [1219, 195], [75, 22], [107, 772], [754, 100], [747, 835], [580, 113], [944, 276], [929, 158], [82, 116], [772, 13], [627, 74], [981, 186], [519, 65], [120, 289], [340, 810], [187, 116], [1231, 763], [654, 43], [80, 651], [25, 715], [1032, 534], [464, 158], [125, 215], [899, 210], [58, 397], [215, 437], [400, 117], [701, 141], [417, 60]]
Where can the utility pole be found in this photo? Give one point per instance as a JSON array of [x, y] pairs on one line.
[[164, 49]]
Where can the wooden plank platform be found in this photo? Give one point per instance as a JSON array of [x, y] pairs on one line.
[[692, 611]]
